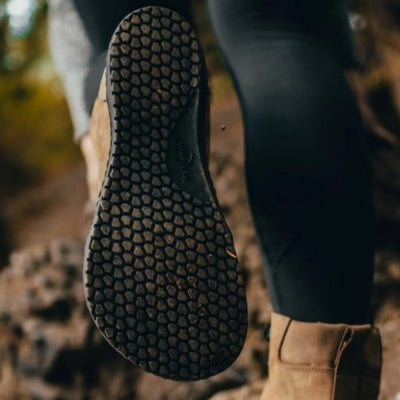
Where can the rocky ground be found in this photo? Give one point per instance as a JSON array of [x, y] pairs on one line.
[[49, 348]]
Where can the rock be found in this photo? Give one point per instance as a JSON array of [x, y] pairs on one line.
[[48, 345], [5, 246], [391, 354], [151, 387], [250, 392]]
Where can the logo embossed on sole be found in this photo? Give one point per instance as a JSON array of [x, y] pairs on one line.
[[185, 158]]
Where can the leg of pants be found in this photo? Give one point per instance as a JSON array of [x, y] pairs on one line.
[[72, 53], [307, 164], [80, 31]]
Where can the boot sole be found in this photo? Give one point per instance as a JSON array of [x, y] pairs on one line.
[[161, 275]]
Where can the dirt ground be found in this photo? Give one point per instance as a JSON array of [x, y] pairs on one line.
[[48, 347]]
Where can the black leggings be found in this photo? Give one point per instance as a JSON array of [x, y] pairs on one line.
[[307, 167], [307, 163]]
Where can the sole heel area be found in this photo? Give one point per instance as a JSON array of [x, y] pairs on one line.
[[161, 275]]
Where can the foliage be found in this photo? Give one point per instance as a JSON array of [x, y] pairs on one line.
[[36, 138]]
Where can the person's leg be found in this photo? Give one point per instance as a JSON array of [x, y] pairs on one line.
[[161, 276], [72, 53], [307, 165], [309, 187], [80, 32]]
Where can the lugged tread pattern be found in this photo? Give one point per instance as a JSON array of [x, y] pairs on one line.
[[162, 280]]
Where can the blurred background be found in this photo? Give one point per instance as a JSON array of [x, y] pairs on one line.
[[48, 347]]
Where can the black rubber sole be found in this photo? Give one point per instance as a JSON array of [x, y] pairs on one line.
[[161, 275]]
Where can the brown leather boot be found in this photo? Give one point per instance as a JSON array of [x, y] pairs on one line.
[[96, 144], [161, 277], [316, 361]]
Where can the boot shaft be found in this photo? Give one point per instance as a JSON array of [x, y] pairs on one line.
[[316, 361]]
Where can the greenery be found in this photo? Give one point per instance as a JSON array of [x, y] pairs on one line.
[[36, 137]]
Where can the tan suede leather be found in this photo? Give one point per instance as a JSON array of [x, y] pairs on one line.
[[316, 361], [96, 144], [100, 131]]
